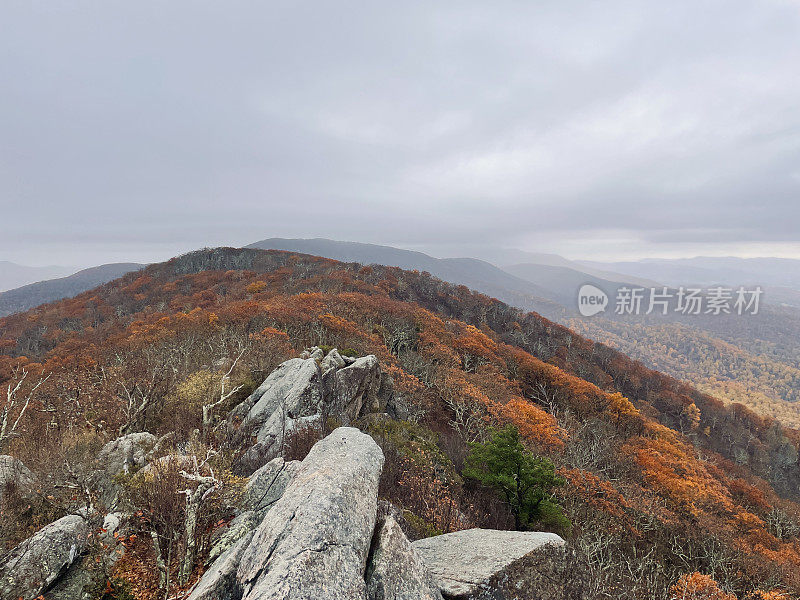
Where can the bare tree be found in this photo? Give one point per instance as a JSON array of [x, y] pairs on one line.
[[136, 400], [206, 485], [208, 409], [466, 421], [14, 398]]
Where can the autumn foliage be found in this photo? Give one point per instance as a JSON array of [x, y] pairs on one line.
[[658, 476]]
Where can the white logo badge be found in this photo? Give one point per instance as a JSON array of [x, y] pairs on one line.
[[591, 300]]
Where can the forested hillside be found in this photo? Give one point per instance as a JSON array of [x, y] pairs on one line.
[[755, 364], [664, 489], [751, 359], [34, 294]]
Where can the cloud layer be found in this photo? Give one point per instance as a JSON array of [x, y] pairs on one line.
[[137, 130]]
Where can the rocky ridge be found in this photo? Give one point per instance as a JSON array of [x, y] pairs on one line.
[[304, 529]]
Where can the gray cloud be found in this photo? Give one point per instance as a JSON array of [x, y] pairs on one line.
[[133, 131]]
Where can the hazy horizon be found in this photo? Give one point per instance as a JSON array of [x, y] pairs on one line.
[[431, 250]]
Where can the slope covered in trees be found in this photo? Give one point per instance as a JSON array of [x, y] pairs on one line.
[[34, 294], [663, 485], [753, 359], [751, 367]]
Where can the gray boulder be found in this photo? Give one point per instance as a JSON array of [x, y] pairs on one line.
[[314, 541], [272, 435], [80, 581], [315, 353], [126, 452], [15, 475], [219, 582], [353, 390], [395, 571], [111, 525], [478, 564], [302, 390], [266, 486], [75, 584], [35, 564], [291, 391], [121, 455]]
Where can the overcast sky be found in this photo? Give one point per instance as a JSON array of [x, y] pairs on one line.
[[137, 130]]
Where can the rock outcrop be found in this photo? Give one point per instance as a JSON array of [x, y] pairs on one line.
[[332, 361], [126, 452], [35, 564], [395, 570], [315, 537], [300, 392], [478, 564], [239, 527], [302, 530], [314, 541], [293, 389], [262, 490], [15, 475]]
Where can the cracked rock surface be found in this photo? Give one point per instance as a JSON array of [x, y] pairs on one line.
[[36, 563], [314, 541]]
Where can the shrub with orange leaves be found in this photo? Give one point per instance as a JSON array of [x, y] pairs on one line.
[[770, 595], [534, 424], [256, 287], [668, 465], [697, 586], [594, 491]]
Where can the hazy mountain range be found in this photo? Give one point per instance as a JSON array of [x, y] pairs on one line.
[[13, 275], [548, 287], [545, 283], [705, 270], [752, 359], [34, 294]]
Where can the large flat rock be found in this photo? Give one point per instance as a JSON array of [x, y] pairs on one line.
[[476, 563]]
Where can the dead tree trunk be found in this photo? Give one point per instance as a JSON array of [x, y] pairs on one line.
[[194, 499]]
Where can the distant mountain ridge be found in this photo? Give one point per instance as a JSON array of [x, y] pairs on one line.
[[551, 290], [722, 354], [42, 292], [13, 275], [512, 257], [709, 270], [471, 272]]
